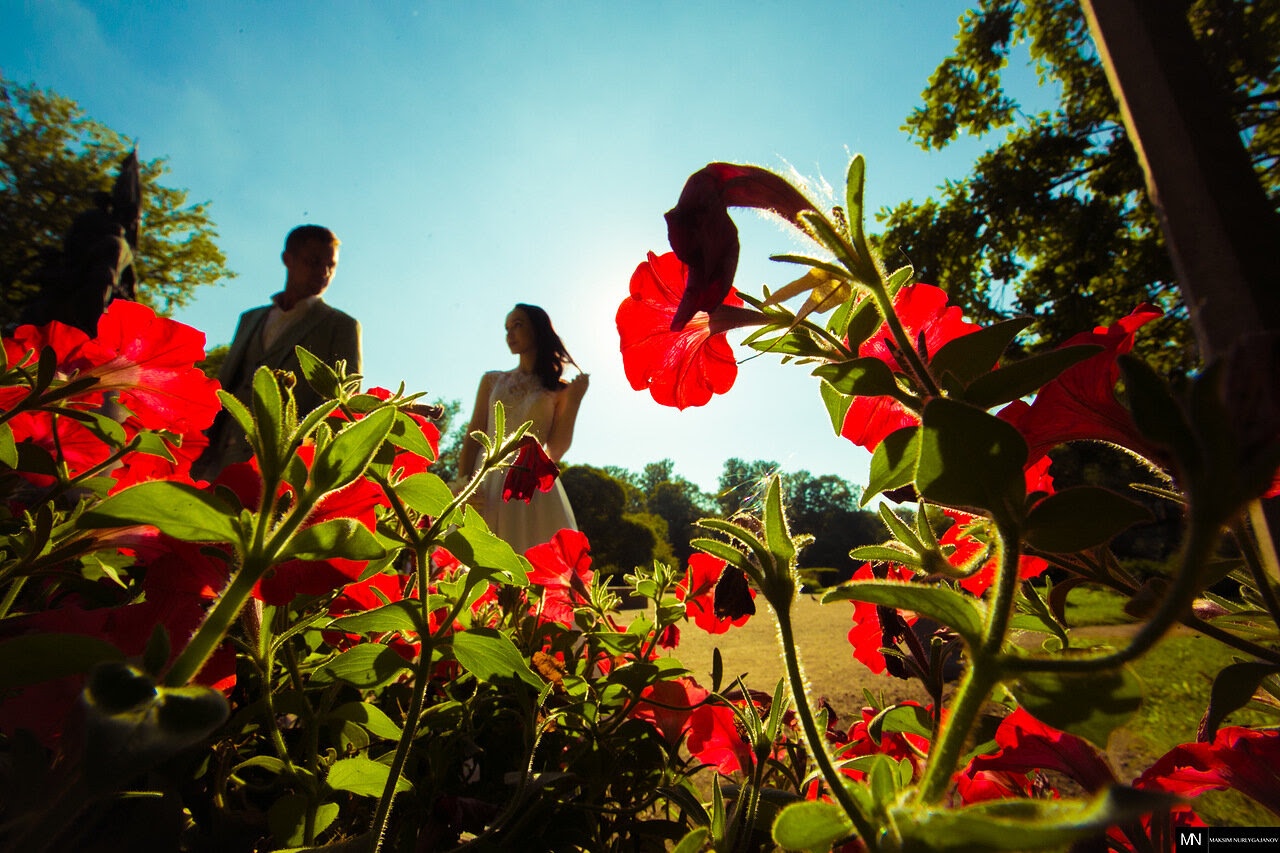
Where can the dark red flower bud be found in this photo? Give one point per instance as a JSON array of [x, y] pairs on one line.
[[733, 595], [705, 238], [533, 469]]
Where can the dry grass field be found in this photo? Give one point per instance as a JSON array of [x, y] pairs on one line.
[[821, 636]]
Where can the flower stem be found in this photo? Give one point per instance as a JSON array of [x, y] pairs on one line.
[[815, 739], [982, 676]]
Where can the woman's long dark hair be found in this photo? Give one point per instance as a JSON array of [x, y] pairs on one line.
[[552, 356]]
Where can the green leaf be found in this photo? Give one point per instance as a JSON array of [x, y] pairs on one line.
[[319, 375], [864, 320], [837, 405], [8, 449], [1233, 687], [911, 719], [854, 182], [268, 413], [488, 654], [370, 717], [970, 356], [814, 826], [1023, 825], [32, 658], [340, 538], [970, 459], [1024, 377], [425, 492], [365, 667], [346, 457], [488, 556], [777, 536], [860, 377], [887, 554], [399, 616], [177, 509], [407, 435], [1079, 518], [1088, 704], [287, 818], [692, 842], [894, 462], [362, 776], [724, 551], [959, 612]]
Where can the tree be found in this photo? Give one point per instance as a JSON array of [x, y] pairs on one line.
[[1054, 222], [620, 540], [52, 159]]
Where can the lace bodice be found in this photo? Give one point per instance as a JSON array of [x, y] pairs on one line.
[[525, 399]]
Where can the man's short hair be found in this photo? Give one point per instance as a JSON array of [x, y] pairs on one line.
[[306, 234]]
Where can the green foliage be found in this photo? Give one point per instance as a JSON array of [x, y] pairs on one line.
[[52, 160], [1053, 221]]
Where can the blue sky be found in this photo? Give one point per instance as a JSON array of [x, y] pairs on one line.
[[472, 155]]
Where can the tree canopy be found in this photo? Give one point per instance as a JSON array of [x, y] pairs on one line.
[[52, 159], [1054, 221]]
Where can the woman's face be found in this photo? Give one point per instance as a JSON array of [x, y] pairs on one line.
[[520, 334]]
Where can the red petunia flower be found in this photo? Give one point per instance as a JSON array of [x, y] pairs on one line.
[[923, 310], [714, 738], [562, 567], [868, 635], [704, 237], [153, 368], [1080, 403], [680, 368], [147, 364], [697, 591], [668, 705], [533, 469], [1027, 745], [1242, 759]]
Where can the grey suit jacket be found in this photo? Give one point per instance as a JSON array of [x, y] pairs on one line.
[[326, 332]]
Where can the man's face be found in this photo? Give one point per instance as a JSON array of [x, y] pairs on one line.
[[311, 268]]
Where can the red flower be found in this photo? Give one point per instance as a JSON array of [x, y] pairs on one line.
[[1242, 759], [680, 368], [152, 365], [923, 310], [705, 238], [148, 362], [714, 738], [1027, 745], [1081, 402], [868, 635], [698, 594], [533, 469], [668, 705], [562, 567]]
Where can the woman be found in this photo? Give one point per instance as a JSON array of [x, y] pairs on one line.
[[532, 391]]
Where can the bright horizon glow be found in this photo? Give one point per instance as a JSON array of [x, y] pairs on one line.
[[471, 156]]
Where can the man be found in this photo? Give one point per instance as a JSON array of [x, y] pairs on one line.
[[268, 335]]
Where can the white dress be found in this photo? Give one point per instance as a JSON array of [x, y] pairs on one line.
[[521, 524]]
